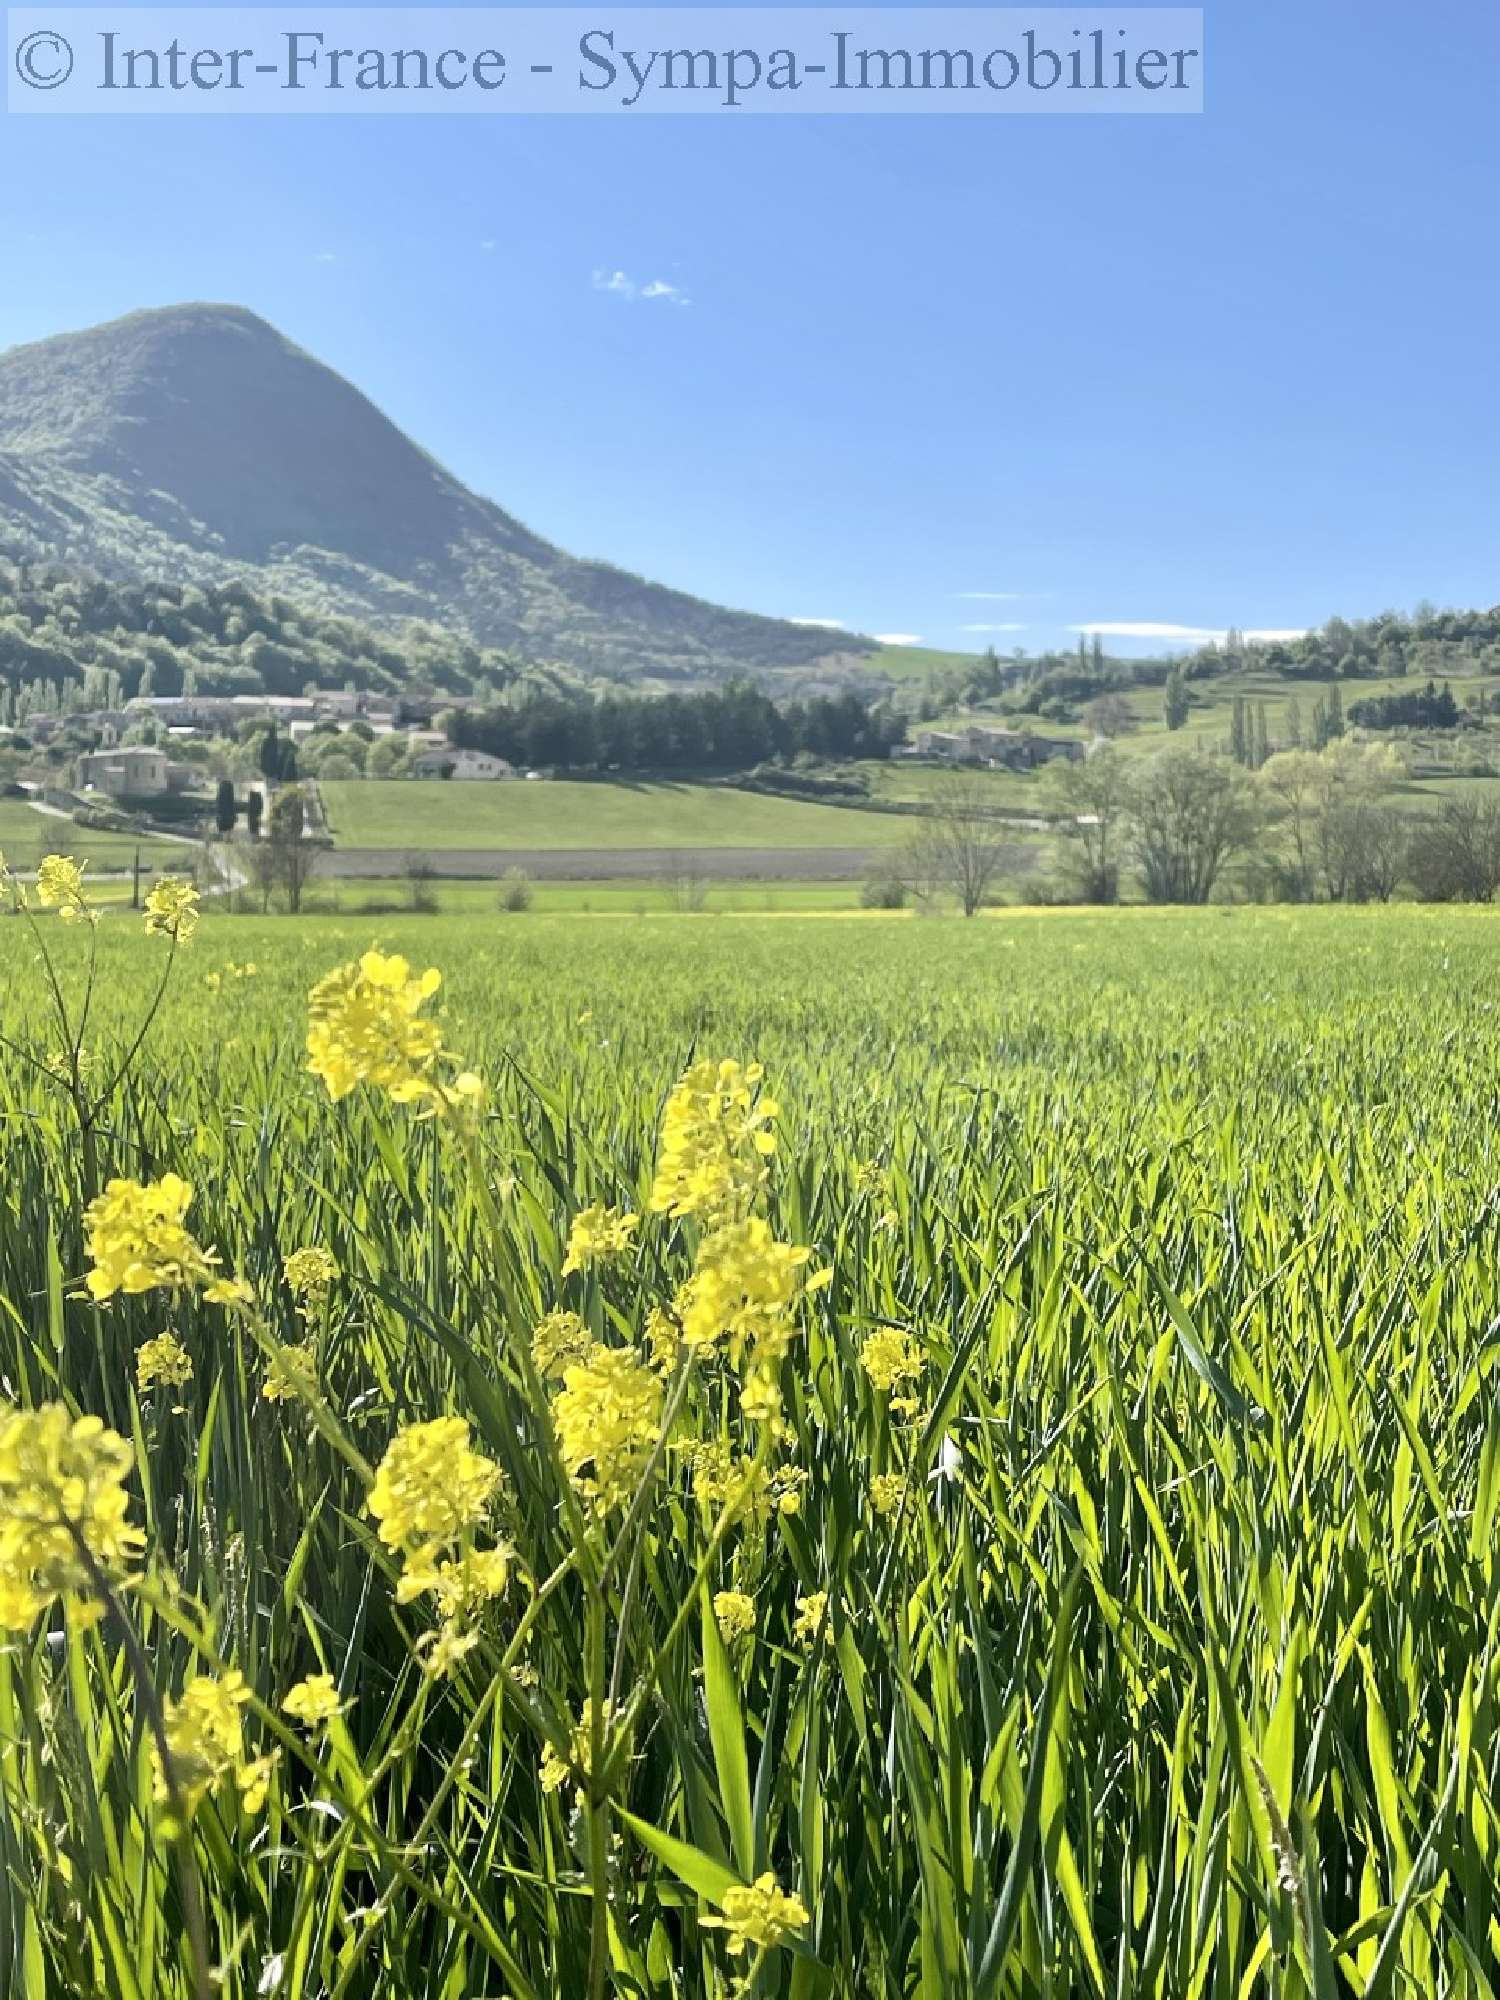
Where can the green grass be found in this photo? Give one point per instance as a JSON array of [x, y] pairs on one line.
[[1190, 1219], [430, 817], [350, 897], [26, 835]]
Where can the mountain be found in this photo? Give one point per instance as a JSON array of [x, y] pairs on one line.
[[196, 445]]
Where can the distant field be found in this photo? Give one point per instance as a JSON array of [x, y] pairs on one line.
[[392, 813], [915, 663], [26, 835], [351, 898]]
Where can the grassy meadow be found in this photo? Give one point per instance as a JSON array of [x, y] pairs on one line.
[[1089, 1588]]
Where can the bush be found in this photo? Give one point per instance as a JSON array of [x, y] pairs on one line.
[[515, 891], [883, 891]]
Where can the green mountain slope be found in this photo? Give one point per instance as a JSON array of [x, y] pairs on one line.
[[196, 445]]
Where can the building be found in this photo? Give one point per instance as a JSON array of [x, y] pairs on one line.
[[136, 771], [447, 762], [1003, 749]]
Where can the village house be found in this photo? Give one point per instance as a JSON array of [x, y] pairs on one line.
[[1004, 749], [446, 762], [135, 771]]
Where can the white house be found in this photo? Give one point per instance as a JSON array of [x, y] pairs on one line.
[[450, 763]]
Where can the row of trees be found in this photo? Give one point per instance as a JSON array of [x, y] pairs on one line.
[[1309, 825], [733, 728]]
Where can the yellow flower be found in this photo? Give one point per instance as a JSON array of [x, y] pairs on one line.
[[745, 1286], [61, 1483], [163, 1360], [735, 1613], [760, 1916], [443, 1649], [137, 1240], [292, 1374], [172, 909], [365, 1027], [462, 1588], [607, 1416], [559, 1338], [430, 1487], [313, 1702], [664, 1340], [204, 1738], [890, 1358], [886, 1489], [809, 1620], [254, 1781], [59, 886], [598, 1233], [309, 1275], [555, 1771], [715, 1141]]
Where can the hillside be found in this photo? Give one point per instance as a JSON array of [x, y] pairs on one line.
[[196, 445]]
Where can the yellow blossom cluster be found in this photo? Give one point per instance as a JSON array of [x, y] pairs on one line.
[[366, 1026], [137, 1239], [172, 909], [735, 1613], [163, 1360], [810, 1621], [310, 1275], [894, 1361], [63, 1505], [558, 1338], [431, 1491], [715, 1142], [292, 1373], [554, 1771], [205, 1743], [59, 886], [607, 1417], [313, 1702], [759, 1916], [598, 1234]]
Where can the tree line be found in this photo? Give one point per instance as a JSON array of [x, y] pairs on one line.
[[728, 729]]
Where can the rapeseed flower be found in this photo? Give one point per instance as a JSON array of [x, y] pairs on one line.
[[138, 1240], [164, 1360], [555, 1771], [205, 1741], [292, 1375], [735, 1613], [558, 1338], [715, 1142], [430, 1488], [759, 1916], [313, 1702], [598, 1233], [366, 1026], [744, 1289], [809, 1621], [61, 1485], [894, 1359], [172, 909], [59, 886], [462, 1588], [607, 1417], [886, 1489], [310, 1275]]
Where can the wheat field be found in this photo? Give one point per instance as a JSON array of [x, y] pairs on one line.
[[1075, 1574]]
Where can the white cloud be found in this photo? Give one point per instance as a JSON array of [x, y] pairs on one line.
[[488, 243], [326, 257], [992, 628], [991, 596], [625, 287], [830, 624], [1193, 635], [898, 638]]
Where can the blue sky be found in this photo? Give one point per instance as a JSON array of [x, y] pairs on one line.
[[964, 379]]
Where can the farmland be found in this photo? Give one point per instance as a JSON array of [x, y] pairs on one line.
[[1088, 1587]]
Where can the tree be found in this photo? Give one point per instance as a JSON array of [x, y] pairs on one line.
[[1454, 856], [1090, 797], [1176, 701], [1190, 812], [959, 845], [1109, 715], [1292, 782], [1293, 724], [293, 855], [1260, 738], [255, 807], [226, 807], [1239, 734]]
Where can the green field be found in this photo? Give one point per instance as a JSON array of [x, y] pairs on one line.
[[26, 835], [1110, 1542], [404, 814]]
